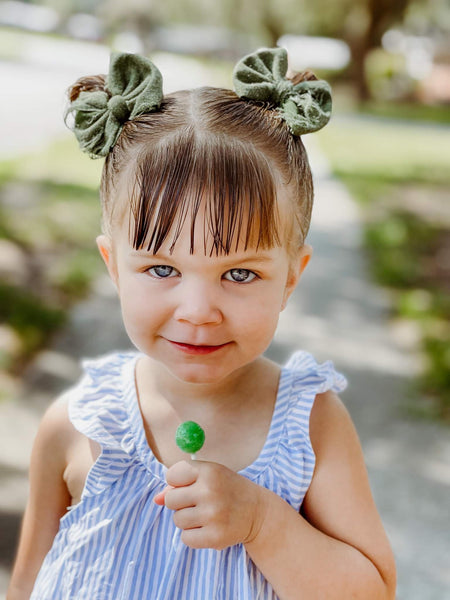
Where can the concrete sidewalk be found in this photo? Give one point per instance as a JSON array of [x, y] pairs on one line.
[[343, 316]]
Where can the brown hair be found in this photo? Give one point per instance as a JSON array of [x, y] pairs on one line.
[[207, 145]]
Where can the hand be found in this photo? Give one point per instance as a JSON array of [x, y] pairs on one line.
[[214, 506]]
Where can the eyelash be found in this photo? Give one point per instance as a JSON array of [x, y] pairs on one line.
[[174, 273], [241, 270], [161, 267]]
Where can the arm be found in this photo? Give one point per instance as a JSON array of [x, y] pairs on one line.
[[47, 503], [335, 549]]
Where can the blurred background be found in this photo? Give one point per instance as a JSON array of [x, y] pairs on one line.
[[381, 231]]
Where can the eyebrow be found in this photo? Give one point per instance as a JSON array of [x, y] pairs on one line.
[[254, 258]]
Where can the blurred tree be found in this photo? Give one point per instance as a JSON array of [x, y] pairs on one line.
[[361, 23], [377, 18], [65, 8], [267, 19], [432, 17], [137, 16]]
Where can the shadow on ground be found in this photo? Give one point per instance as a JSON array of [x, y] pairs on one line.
[[10, 527]]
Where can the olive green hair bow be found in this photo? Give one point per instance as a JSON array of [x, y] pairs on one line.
[[261, 76], [134, 87]]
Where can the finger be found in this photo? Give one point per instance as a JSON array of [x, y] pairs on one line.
[[161, 497], [181, 474], [196, 538], [204, 537], [179, 498], [187, 518]]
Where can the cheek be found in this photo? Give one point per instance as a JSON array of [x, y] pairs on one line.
[[137, 305], [259, 315]]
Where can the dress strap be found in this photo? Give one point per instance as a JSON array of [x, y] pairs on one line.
[[293, 462]]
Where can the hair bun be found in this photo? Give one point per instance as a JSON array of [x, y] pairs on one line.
[[303, 76], [304, 102], [90, 83], [100, 106]]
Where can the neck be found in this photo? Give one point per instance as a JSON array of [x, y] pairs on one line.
[[221, 396]]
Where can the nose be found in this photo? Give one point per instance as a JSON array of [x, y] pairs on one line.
[[197, 303]]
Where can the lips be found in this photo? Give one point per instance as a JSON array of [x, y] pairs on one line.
[[197, 348]]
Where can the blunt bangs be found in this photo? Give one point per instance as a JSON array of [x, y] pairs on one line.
[[229, 179]]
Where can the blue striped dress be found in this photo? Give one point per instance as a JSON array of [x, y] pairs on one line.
[[117, 544]]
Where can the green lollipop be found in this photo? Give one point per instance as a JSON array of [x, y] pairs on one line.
[[190, 437]]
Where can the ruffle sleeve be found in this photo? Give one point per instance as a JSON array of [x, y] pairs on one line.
[[290, 470], [97, 410]]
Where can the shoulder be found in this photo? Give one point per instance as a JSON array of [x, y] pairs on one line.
[[328, 417], [339, 457], [56, 433], [55, 423], [332, 432]]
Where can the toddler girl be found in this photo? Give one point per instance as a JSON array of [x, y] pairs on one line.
[[206, 199]]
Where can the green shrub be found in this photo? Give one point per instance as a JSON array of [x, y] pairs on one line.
[[29, 316]]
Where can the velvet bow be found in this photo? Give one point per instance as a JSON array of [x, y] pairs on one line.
[[261, 76], [133, 87]]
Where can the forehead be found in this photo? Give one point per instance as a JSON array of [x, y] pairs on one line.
[[227, 198], [200, 225], [201, 246]]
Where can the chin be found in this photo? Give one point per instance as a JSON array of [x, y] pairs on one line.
[[200, 374]]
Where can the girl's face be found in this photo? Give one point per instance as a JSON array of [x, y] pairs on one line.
[[203, 317]]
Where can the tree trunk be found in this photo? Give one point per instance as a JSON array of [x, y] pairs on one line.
[[382, 14], [270, 23], [359, 52]]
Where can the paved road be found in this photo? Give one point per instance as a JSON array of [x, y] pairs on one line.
[[335, 313]]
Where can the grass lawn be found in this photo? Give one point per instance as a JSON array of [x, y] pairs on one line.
[[399, 173], [49, 218], [416, 112]]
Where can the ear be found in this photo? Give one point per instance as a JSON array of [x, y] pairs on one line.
[[298, 265], [105, 248]]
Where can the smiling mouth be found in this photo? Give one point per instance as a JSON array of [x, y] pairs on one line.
[[197, 349]]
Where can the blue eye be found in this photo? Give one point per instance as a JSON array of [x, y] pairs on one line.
[[240, 275], [163, 271]]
